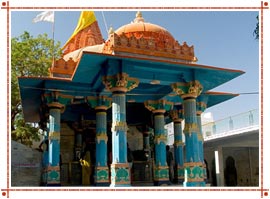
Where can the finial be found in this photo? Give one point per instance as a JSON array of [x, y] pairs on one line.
[[111, 31], [139, 14], [139, 17]]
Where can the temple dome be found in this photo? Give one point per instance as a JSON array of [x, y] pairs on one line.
[[141, 29], [147, 40]]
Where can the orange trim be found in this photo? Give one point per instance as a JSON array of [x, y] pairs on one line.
[[219, 93]]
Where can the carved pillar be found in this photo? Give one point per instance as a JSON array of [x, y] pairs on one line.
[[55, 102], [177, 117], [101, 104], [194, 174], [119, 84], [161, 171]]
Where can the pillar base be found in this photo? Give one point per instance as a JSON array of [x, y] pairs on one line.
[[194, 184], [120, 175], [120, 185], [102, 176], [161, 176], [53, 176], [194, 174]]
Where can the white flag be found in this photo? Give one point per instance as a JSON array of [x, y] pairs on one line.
[[44, 16]]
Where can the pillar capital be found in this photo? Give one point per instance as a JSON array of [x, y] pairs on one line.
[[120, 82], [57, 100], [187, 90], [158, 106], [177, 113], [200, 107], [100, 102]]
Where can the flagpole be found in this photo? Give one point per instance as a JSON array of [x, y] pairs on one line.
[[104, 20], [53, 28]]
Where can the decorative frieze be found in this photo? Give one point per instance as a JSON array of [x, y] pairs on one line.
[[150, 44]]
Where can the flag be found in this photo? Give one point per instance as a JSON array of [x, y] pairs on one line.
[[44, 16], [86, 19]]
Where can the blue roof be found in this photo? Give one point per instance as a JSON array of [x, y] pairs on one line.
[[87, 81]]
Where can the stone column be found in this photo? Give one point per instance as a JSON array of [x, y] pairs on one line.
[[194, 174], [101, 104], [177, 117], [161, 171], [119, 84], [55, 102]]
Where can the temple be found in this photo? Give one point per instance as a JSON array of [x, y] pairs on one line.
[[102, 93]]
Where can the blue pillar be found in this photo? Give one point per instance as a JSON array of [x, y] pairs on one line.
[[53, 170], [200, 145], [45, 159], [120, 173], [194, 172], [200, 139], [201, 106], [179, 151], [102, 170], [161, 170], [56, 104], [119, 84], [101, 104], [177, 117]]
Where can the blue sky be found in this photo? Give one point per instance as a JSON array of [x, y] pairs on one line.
[[220, 38]]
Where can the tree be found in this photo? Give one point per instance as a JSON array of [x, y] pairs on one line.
[[256, 31], [29, 57]]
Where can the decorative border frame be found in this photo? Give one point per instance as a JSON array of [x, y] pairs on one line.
[[6, 191]]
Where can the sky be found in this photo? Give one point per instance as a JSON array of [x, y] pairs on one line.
[[221, 38]]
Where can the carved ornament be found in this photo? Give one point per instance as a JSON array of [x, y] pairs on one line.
[[190, 89], [120, 82], [149, 43], [158, 106], [63, 68]]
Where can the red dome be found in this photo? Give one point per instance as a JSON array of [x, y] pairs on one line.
[[141, 29], [145, 39]]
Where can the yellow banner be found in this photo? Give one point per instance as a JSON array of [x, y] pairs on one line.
[[86, 19]]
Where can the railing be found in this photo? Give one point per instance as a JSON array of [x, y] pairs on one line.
[[231, 124]]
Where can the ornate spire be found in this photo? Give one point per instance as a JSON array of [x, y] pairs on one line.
[[139, 17]]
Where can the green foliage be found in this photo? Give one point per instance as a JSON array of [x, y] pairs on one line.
[[24, 132], [29, 57]]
